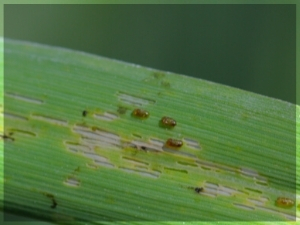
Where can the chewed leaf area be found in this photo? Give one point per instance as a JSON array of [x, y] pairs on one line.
[[134, 100], [173, 158], [24, 98], [88, 131], [155, 157]]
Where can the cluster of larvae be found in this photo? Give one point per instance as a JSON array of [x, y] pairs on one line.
[[165, 122]]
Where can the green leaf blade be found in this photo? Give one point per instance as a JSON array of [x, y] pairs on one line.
[[109, 165]]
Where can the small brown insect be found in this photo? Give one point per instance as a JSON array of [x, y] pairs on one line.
[[173, 143], [140, 113], [84, 113], [284, 202], [199, 189], [168, 122]]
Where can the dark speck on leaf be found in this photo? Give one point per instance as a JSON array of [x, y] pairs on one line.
[[84, 113], [198, 189]]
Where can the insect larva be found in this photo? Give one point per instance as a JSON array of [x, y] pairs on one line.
[[140, 113], [173, 143], [168, 122], [284, 202]]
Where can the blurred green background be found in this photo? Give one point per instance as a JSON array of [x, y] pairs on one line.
[[252, 47]]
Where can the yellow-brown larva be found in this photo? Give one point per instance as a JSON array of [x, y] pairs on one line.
[[168, 122], [173, 143], [284, 202], [140, 113]]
